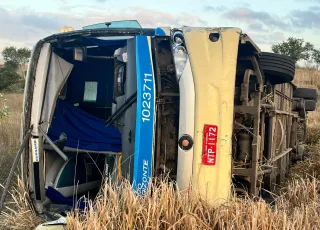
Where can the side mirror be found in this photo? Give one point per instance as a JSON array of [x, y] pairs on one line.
[[80, 53], [119, 78]]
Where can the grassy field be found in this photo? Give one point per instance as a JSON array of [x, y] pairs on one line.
[[297, 206], [9, 133], [311, 78]]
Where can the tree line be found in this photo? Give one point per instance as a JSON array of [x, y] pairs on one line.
[[12, 74], [298, 50]]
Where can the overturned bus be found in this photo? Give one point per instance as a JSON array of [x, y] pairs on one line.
[[203, 106]]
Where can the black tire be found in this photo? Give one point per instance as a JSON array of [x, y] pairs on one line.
[[298, 104], [310, 105], [277, 68], [305, 93]]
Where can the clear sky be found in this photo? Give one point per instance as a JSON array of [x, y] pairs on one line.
[[24, 22]]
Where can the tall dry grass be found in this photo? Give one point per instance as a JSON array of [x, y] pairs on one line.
[[10, 133], [117, 207], [163, 208], [19, 212], [310, 78], [307, 78], [9, 140]]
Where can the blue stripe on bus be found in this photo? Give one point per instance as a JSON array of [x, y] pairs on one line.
[[143, 155]]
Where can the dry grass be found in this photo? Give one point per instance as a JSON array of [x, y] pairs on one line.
[[307, 78], [9, 142], [163, 208], [118, 208], [309, 168], [310, 78], [10, 126], [19, 212], [10, 133]]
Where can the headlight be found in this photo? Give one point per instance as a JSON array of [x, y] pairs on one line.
[[177, 38]]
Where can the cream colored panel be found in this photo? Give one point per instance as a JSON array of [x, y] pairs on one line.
[[214, 69]]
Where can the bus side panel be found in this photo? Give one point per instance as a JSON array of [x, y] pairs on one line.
[[213, 65], [144, 140]]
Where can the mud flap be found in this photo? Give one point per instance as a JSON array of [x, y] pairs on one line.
[[144, 141]]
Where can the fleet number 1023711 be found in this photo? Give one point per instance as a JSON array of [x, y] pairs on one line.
[[147, 95]]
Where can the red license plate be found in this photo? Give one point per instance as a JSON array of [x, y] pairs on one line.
[[210, 136]]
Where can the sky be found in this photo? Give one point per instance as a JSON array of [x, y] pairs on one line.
[[23, 23]]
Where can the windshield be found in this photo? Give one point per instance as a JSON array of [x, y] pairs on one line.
[[116, 24]]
